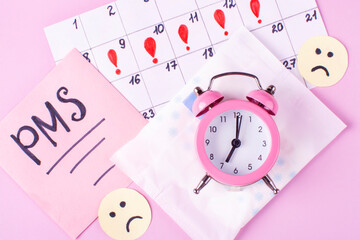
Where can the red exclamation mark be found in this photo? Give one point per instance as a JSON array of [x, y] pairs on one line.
[[220, 19], [113, 59], [150, 47], [255, 8], [184, 33]]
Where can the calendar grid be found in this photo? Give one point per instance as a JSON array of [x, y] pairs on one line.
[[153, 107], [202, 19], [141, 29], [172, 48], [294, 56], [180, 56], [263, 26], [86, 38], [292, 46], [283, 19], [242, 20], [147, 93], [314, 8], [287, 33], [140, 72]]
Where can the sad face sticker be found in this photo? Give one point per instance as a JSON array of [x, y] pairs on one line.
[[322, 61], [124, 214]]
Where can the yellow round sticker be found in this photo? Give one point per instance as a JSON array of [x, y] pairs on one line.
[[124, 214], [322, 61]]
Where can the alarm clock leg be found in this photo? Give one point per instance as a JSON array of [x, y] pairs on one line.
[[270, 183], [205, 180]]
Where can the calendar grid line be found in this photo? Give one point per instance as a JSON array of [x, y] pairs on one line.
[[87, 39], [86, 50], [269, 24], [287, 33], [302, 79], [104, 43], [302, 12], [141, 29], [177, 57], [94, 59], [186, 13], [144, 69], [237, 7], [180, 56], [123, 77], [138, 66], [293, 56], [307, 86], [157, 105], [282, 19], [202, 19], [172, 48], [205, 6], [172, 18]]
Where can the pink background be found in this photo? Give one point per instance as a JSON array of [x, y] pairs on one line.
[[322, 202]]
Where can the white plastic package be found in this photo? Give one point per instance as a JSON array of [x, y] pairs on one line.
[[163, 161]]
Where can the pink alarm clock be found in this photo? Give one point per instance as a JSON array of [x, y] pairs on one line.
[[237, 141]]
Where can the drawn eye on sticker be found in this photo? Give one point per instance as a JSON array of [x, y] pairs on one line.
[[322, 61], [124, 214]]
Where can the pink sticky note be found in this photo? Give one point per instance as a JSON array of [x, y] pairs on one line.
[[57, 142]]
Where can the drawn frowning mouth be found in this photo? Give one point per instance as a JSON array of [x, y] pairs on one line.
[[129, 221], [320, 67]]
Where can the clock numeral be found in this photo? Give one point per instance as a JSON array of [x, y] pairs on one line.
[[260, 128], [264, 143], [222, 164], [211, 156], [260, 157], [213, 129], [223, 118], [207, 141], [250, 118], [249, 166], [236, 171], [236, 114]]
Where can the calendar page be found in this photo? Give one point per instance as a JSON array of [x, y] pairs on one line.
[[148, 49]]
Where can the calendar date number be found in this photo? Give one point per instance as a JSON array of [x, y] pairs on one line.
[[171, 65], [276, 28], [148, 114], [290, 64], [311, 16]]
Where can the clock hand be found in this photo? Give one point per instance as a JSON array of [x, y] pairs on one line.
[[230, 154], [238, 126], [236, 141]]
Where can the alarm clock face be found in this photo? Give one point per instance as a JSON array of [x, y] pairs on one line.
[[237, 142]]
